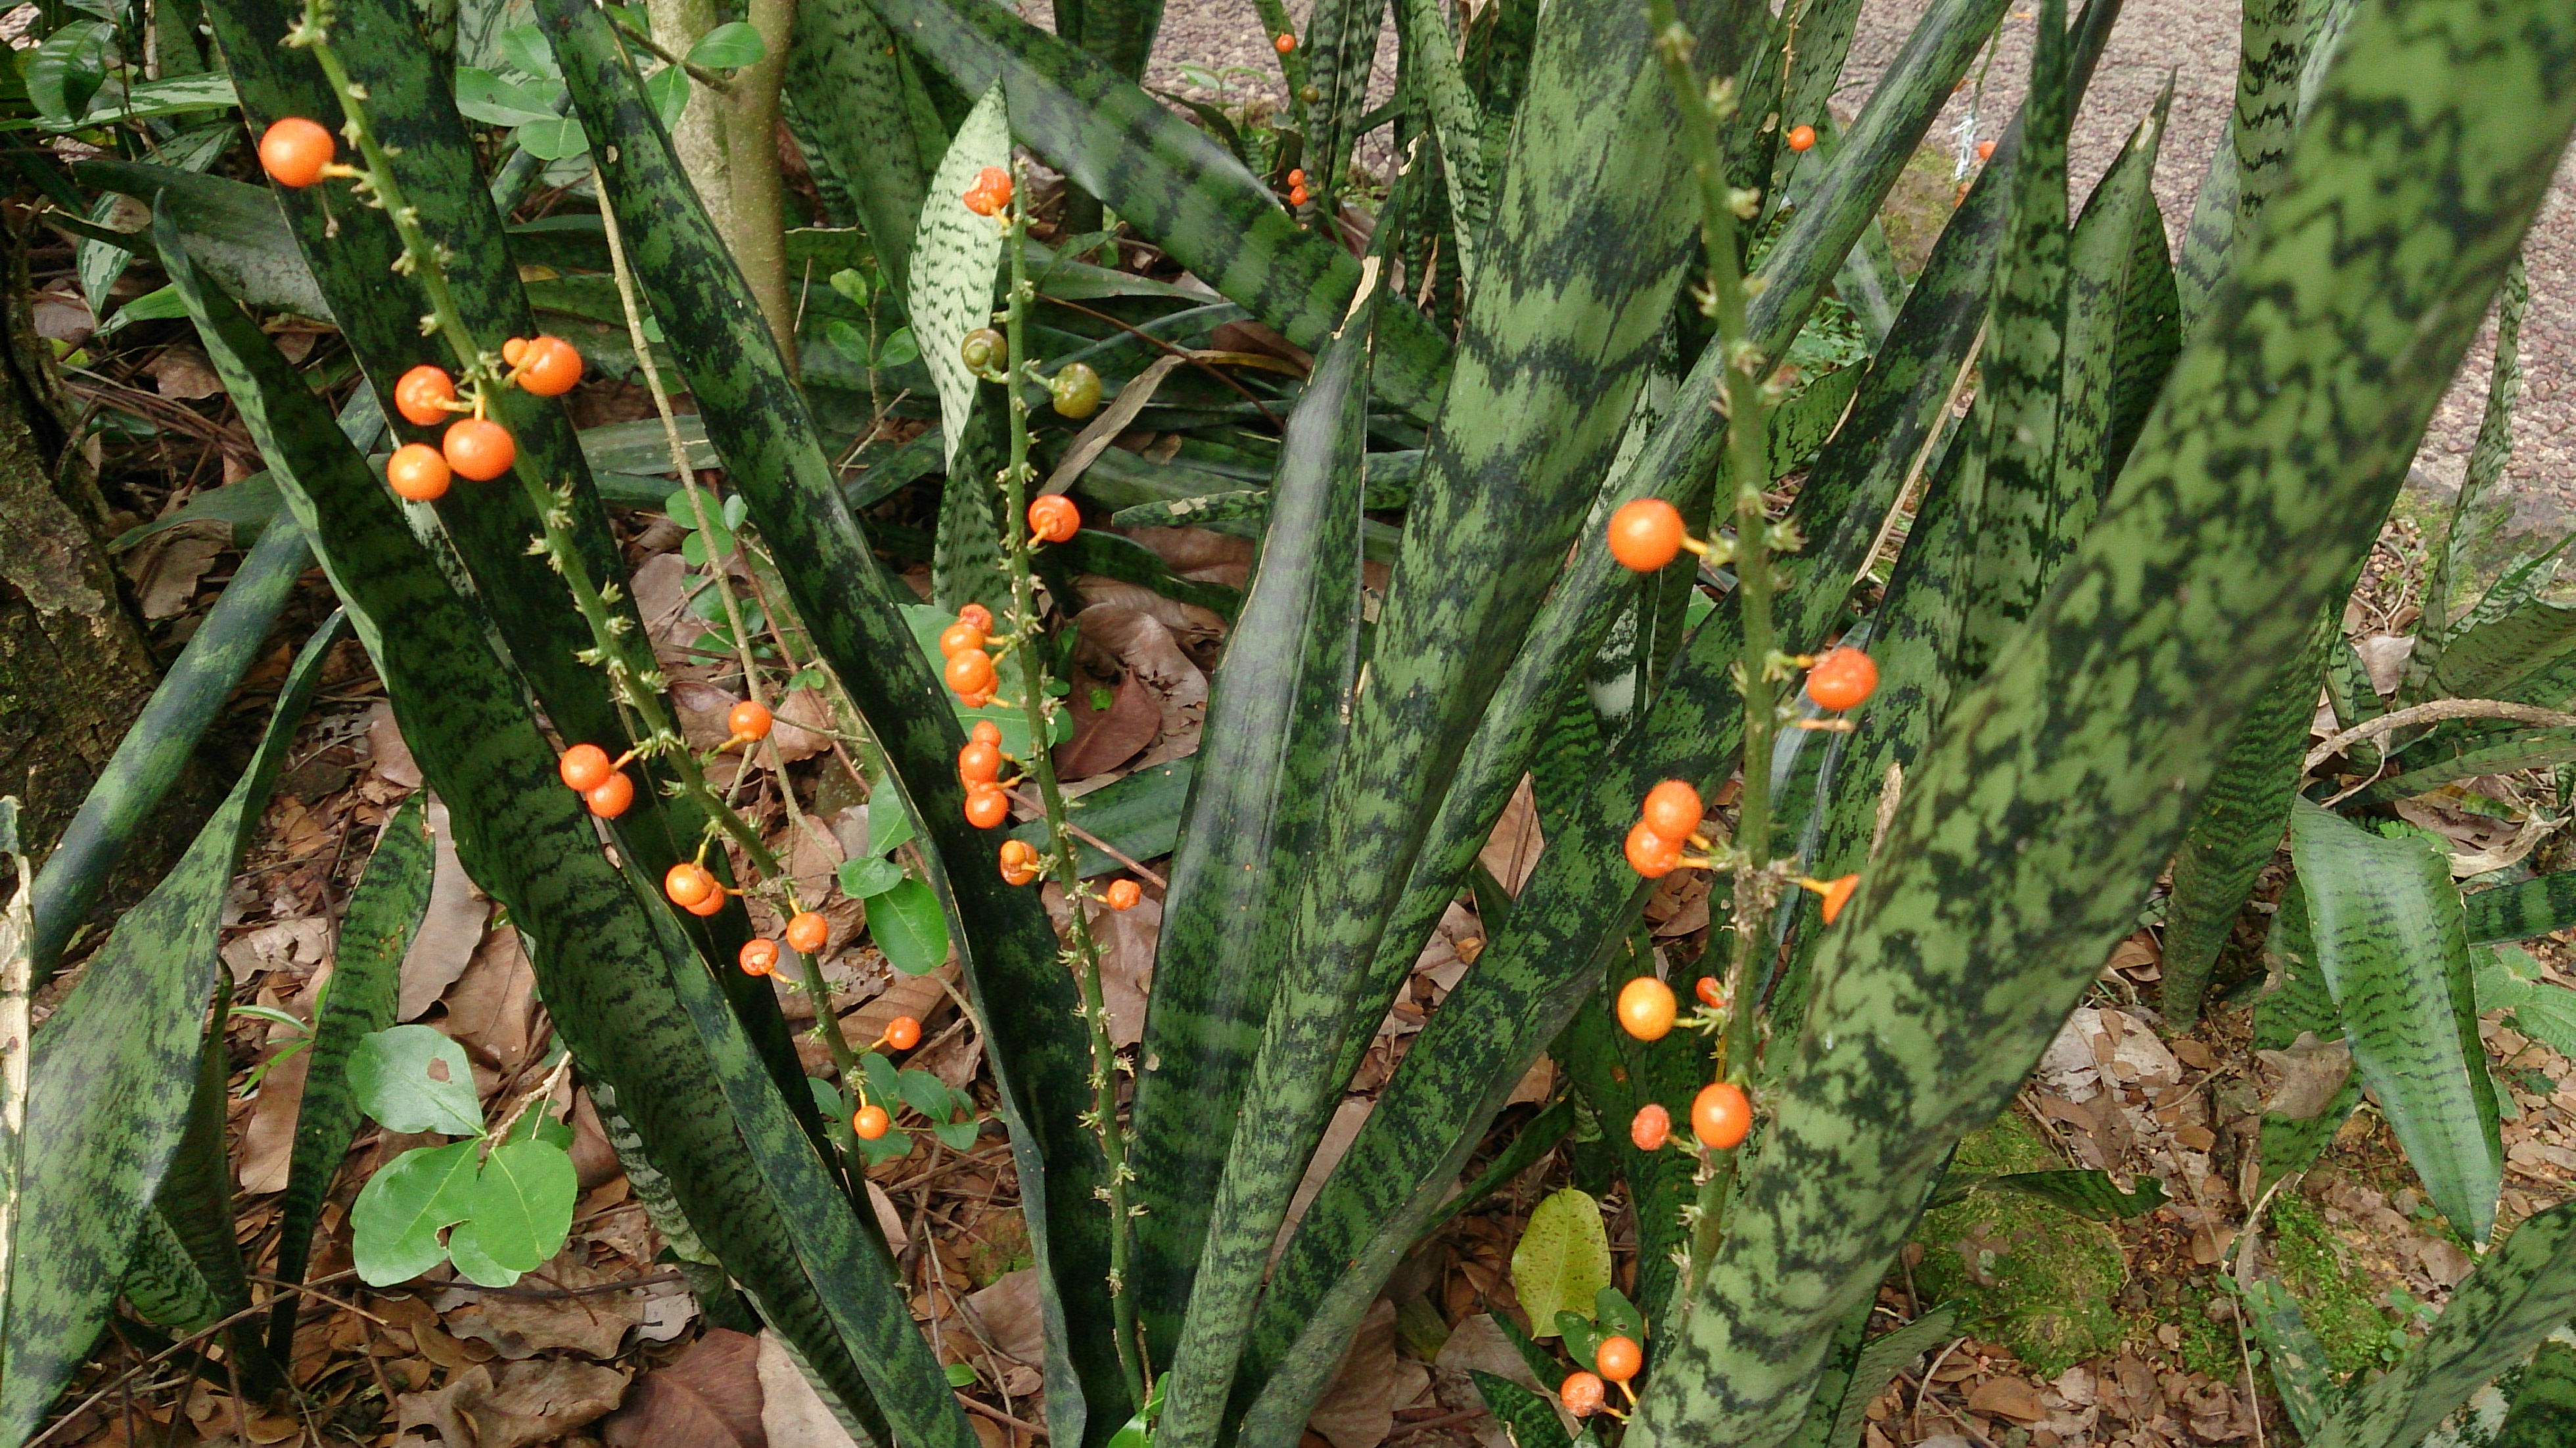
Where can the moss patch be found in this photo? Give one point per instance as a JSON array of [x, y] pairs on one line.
[[2333, 1296], [2034, 1278]]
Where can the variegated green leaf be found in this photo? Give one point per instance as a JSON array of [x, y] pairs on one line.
[[2520, 912], [2297, 1359], [955, 256]]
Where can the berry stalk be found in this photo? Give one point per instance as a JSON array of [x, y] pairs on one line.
[[1083, 955]]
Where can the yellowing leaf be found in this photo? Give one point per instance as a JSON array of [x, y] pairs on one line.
[[1563, 1259]]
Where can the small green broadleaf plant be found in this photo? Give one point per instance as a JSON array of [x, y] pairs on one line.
[[504, 1199], [894, 349], [302, 1038], [714, 542], [904, 914], [948, 1113]]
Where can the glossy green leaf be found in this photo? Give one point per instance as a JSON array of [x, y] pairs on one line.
[[729, 46], [1562, 1259], [413, 1078], [2524, 1290], [110, 1083], [2510, 980], [520, 1212], [149, 759], [395, 1222], [635, 1002], [2238, 824], [2054, 784], [1253, 812], [1023, 995], [2392, 945], [908, 925], [68, 67], [1528, 1417], [2521, 912], [1169, 180], [955, 256], [863, 878], [2297, 1360]]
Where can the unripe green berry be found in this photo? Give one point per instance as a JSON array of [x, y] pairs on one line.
[[1076, 389], [984, 350]]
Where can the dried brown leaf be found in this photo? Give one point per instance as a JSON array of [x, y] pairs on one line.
[[593, 1325], [791, 1412], [1358, 1410], [167, 566], [1104, 738], [2303, 1080], [710, 1398], [513, 1405], [450, 930]]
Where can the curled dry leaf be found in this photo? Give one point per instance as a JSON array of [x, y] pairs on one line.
[[1512, 850], [593, 1325], [710, 1398], [1191, 624], [2303, 1080], [492, 1008], [268, 1138], [184, 373], [791, 1412], [1104, 738], [802, 707], [449, 932], [514, 1404], [1188, 548], [1358, 1410], [1150, 653], [1011, 1313], [166, 567], [387, 750]]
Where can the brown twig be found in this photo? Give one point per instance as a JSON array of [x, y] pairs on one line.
[[555, 1294], [2433, 712], [1095, 841], [173, 1350], [1187, 354]]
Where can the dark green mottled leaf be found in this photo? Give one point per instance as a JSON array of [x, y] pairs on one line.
[[1527, 1416], [2520, 912], [2297, 1359], [2528, 749], [2473, 522], [2543, 1414]]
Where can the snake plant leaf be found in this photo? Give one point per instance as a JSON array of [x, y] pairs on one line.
[[1935, 1000], [2121, 332], [636, 1003], [244, 239], [2011, 491], [1617, 1075], [2493, 654], [1139, 816], [2525, 749], [2299, 1017], [163, 1283], [2238, 823], [1532, 979], [108, 1093], [2248, 165], [966, 553], [2524, 1290], [956, 255], [2296, 1357], [2472, 522], [846, 85], [757, 420], [164, 738], [2520, 912], [2393, 947], [1524, 1414], [195, 1204], [1169, 180], [1531, 418], [1456, 121], [2088, 1194], [2544, 1403], [1340, 47], [1857, 1371], [1824, 38], [1274, 728], [376, 930]]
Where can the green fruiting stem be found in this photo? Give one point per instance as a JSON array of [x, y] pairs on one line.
[[1758, 878], [638, 686], [1084, 954]]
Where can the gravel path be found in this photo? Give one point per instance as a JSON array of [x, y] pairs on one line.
[[2195, 41]]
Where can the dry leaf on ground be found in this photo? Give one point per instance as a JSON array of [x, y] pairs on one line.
[[388, 751], [268, 1138], [1339, 1133], [449, 932], [512, 1405], [791, 1412], [1358, 1410], [710, 1398], [1512, 850], [167, 566], [492, 1008], [1012, 1316], [593, 1325]]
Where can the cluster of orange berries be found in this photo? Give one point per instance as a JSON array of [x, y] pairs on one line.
[[872, 1121], [807, 931], [296, 153], [969, 671], [990, 192], [603, 784], [1297, 188], [1721, 1114], [1619, 1359]]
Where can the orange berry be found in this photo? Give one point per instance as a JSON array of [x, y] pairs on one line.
[[1297, 196], [1673, 810], [1842, 679], [979, 763], [978, 615], [709, 906], [1802, 138], [1581, 1393], [1124, 894], [417, 473], [1646, 1008], [294, 151], [1720, 1115], [1054, 518], [990, 192], [957, 638], [1710, 993], [976, 700], [548, 366], [1985, 150], [1019, 860], [422, 395], [1618, 1358], [808, 932], [584, 767], [1286, 42], [479, 448], [513, 350], [749, 719], [987, 805], [1296, 178], [611, 798], [688, 883], [985, 732], [903, 1033], [1838, 894], [1646, 534], [970, 672], [758, 957], [1652, 855], [871, 1122], [1651, 1127]]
